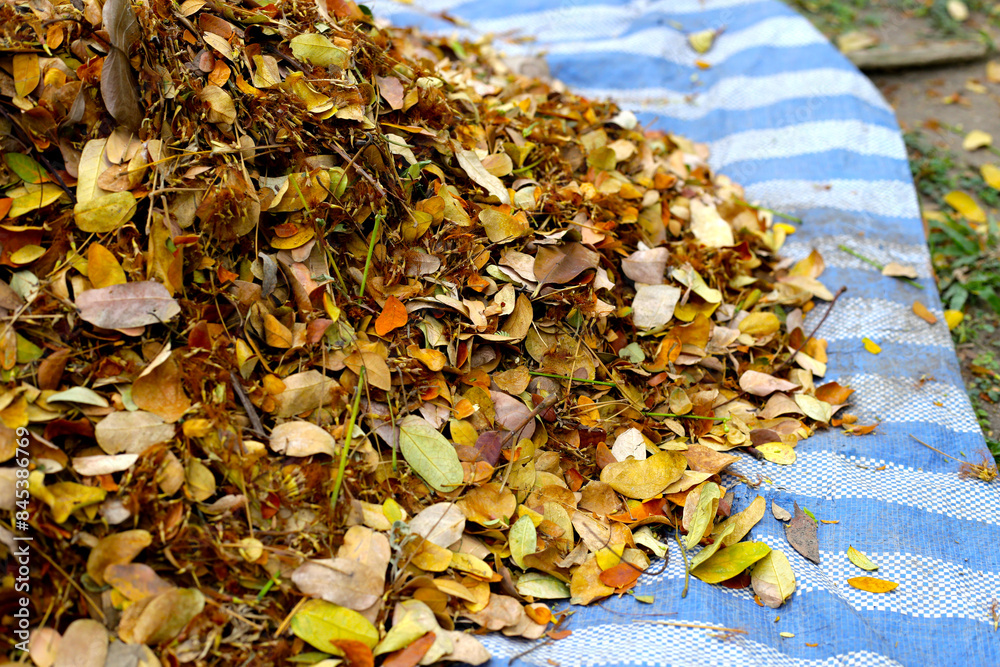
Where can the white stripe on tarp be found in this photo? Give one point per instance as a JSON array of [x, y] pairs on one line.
[[892, 199]]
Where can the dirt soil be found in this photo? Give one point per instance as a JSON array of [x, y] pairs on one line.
[[944, 103]]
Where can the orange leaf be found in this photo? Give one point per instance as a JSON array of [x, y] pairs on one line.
[[921, 311], [393, 316], [833, 393], [103, 268], [558, 634], [872, 585], [621, 576], [411, 655], [5, 204], [356, 654]]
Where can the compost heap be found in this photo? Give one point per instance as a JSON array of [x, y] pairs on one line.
[[336, 339]]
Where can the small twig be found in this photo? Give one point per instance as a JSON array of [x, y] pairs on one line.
[[371, 250], [360, 170], [687, 568], [676, 416], [697, 626], [546, 403], [257, 427], [878, 266], [771, 211], [808, 338], [72, 583], [348, 436], [571, 379], [537, 646]]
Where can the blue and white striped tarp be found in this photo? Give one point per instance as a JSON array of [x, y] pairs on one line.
[[791, 119]]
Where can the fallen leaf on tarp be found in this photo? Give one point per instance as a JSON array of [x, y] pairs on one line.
[[702, 40], [731, 561], [778, 452], [543, 586], [412, 654], [896, 270], [871, 346], [586, 585], [773, 580], [780, 513], [393, 316], [872, 585], [860, 559], [966, 206], [742, 522], [977, 139], [698, 516], [128, 306], [921, 311], [801, 533], [429, 454]]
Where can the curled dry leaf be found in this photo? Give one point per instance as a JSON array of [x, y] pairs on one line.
[[301, 439]]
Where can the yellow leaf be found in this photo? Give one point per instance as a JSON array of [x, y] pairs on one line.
[[27, 73], [105, 213], [977, 139], [27, 254], [953, 318], [432, 558], [702, 41], [966, 206], [318, 50], [644, 479], [871, 345], [477, 567], [872, 585], [608, 557], [103, 268], [991, 174], [860, 559], [760, 324], [31, 197], [777, 452]]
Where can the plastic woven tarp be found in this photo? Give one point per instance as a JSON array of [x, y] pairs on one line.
[[791, 119]]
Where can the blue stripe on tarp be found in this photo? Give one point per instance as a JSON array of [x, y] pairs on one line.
[[819, 167], [584, 67], [719, 123]]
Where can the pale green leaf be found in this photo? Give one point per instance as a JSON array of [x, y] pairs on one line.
[[523, 540], [318, 50], [729, 562], [704, 514], [542, 586], [430, 454], [81, 395], [860, 559]]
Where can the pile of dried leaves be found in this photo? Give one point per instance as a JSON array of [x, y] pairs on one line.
[[329, 339]]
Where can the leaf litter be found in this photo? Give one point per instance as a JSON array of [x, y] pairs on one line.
[[332, 339]]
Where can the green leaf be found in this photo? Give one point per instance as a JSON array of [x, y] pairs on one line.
[[318, 50], [772, 579], [430, 454], [523, 540], [27, 351], [320, 623], [729, 562], [860, 559], [542, 586], [25, 167], [707, 552], [701, 522]]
